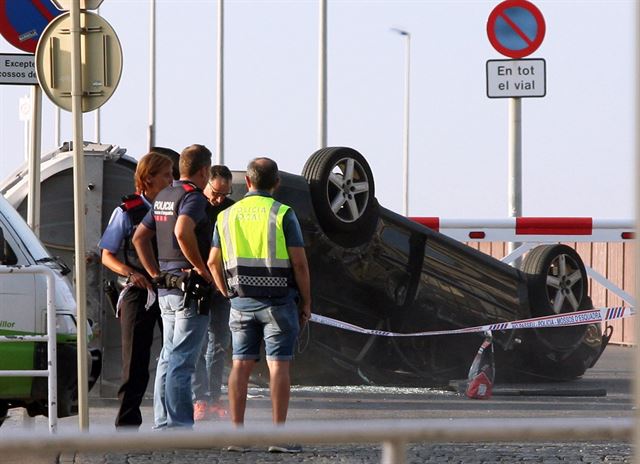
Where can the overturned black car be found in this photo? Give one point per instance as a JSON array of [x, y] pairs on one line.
[[376, 269]]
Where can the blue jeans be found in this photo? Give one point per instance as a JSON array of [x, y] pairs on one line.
[[207, 380], [183, 334]]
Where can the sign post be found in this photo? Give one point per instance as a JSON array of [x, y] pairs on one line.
[[515, 28], [76, 32]]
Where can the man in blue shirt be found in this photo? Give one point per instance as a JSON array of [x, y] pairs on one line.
[[258, 259]]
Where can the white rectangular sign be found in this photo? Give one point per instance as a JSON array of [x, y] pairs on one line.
[[516, 78], [17, 69]]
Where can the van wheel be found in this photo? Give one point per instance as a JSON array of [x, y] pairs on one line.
[[343, 193]]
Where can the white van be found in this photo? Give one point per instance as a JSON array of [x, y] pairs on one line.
[[23, 312]]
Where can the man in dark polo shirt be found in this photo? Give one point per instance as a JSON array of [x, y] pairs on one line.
[[179, 221]]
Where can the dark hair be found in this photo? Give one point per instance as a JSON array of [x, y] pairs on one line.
[[263, 173], [173, 155], [149, 165], [193, 158], [220, 170]]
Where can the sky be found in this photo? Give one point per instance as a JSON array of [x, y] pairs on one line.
[[578, 140]]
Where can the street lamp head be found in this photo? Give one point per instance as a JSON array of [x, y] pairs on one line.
[[400, 31]]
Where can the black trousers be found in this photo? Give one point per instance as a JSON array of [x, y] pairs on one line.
[[136, 324]]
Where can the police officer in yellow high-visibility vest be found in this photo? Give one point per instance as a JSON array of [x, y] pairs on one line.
[[258, 260]]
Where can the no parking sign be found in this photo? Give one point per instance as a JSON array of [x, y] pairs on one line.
[[22, 21], [516, 28]]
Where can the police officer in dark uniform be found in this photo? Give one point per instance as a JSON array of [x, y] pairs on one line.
[[178, 219], [153, 173]]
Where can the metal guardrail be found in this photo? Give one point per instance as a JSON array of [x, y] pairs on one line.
[[393, 434], [49, 337]]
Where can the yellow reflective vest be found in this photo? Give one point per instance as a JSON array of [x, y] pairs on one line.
[[254, 250]]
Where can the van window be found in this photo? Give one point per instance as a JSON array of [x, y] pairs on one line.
[[21, 231], [7, 255]]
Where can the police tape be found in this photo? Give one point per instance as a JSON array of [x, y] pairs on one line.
[[588, 316]]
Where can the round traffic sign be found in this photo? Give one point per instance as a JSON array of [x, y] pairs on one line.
[[516, 28], [22, 21], [101, 61]]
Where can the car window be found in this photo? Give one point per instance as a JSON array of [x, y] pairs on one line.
[[396, 239]]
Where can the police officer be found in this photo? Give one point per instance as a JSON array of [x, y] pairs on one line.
[[178, 219], [258, 259], [137, 322]]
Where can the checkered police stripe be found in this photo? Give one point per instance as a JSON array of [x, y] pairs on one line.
[[588, 316], [257, 281]]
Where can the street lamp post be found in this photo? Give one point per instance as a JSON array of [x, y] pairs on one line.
[[151, 128], [322, 74], [405, 158]]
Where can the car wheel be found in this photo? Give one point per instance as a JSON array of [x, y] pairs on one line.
[[342, 192], [558, 284]]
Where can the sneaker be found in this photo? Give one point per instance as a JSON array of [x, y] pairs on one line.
[[285, 449], [200, 410], [236, 449], [216, 410]]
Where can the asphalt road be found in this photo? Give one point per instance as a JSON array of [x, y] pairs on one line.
[[604, 392]]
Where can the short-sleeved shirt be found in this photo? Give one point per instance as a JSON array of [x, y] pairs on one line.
[[118, 229], [193, 206], [293, 238]]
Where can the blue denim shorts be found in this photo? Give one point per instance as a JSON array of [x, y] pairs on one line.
[[278, 326]]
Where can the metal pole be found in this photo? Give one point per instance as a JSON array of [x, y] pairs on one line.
[[636, 434], [405, 159], [27, 126], [96, 126], [393, 452], [151, 135], [96, 121], [220, 86], [515, 165], [405, 150], [79, 217], [322, 75], [57, 128], [33, 200], [51, 351]]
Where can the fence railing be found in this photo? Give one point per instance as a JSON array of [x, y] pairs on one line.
[[49, 337], [393, 434]]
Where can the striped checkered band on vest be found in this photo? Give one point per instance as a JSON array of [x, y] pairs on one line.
[[254, 251]]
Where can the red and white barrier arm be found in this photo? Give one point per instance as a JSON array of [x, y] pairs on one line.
[[533, 229]]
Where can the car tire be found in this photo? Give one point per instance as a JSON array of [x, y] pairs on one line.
[[342, 193], [558, 284]]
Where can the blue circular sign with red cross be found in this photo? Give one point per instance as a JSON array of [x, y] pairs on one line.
[[516, 28], [22, 21]]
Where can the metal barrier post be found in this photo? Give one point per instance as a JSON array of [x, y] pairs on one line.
[[49, 337], [393, 452]]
